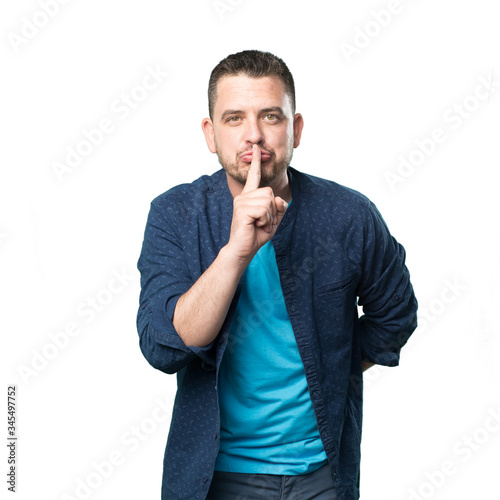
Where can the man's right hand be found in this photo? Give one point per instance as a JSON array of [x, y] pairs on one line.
[[257, 214], [201, 311]]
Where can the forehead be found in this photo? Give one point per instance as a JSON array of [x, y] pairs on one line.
[[245, 92]]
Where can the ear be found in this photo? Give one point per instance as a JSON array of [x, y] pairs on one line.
[[298, 124], [208, 129]]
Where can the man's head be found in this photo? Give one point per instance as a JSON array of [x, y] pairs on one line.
[[255, 64], [252, 101]]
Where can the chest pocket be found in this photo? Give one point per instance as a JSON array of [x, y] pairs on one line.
[[336, 289], [334, 311]]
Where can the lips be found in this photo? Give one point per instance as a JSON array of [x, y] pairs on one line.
[[247, 157]]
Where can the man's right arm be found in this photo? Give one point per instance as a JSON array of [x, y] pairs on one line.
[[201, 311], [178, 318]]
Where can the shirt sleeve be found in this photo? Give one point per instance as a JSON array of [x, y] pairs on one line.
[[386, 294], [165, 277]]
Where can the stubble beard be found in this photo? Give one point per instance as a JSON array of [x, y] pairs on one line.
[[271, 169]]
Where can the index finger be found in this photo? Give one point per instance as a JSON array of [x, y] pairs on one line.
[[253, 176]]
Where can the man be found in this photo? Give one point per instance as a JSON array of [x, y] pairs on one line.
[[250, 283]]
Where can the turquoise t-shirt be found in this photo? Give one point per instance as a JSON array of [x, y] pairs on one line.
[[268, 424]]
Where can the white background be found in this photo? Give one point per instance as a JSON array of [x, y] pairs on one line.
[[62, 237]]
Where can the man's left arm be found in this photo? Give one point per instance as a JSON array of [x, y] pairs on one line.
[[386, 294]]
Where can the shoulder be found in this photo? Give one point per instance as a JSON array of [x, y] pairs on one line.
[[328, 206], [194, 192], [329, 193]]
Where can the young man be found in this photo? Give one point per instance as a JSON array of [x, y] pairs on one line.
[[250, 283]]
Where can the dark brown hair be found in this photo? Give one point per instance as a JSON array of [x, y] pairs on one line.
[[255, 64]]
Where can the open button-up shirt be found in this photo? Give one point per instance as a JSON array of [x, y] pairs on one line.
[[333, 252]]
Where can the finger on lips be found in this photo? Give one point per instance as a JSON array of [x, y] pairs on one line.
[[275, 206], [254, 172]]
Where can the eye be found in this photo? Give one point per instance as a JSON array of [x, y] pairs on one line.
[[233, 119], [271, 117]]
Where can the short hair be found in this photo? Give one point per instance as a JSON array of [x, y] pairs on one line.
[[253, 63]]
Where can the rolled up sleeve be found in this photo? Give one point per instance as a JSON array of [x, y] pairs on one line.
[[386, 294], [165, 277]]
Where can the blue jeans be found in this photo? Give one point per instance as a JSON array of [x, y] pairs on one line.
[[316, 485]]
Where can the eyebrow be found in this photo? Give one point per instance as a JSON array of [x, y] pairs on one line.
[[273, 109], [231, 112]]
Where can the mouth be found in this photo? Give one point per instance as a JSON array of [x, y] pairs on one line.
[[247, 157]]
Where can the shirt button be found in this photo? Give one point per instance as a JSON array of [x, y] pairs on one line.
[[205, 479], [216, 435], [292, 308]]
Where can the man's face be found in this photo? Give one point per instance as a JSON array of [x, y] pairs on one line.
[[251, 111]]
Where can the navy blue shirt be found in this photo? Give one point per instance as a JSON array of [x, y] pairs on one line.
[[333, 250]]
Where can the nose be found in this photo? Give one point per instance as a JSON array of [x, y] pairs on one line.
[[253, 132]]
